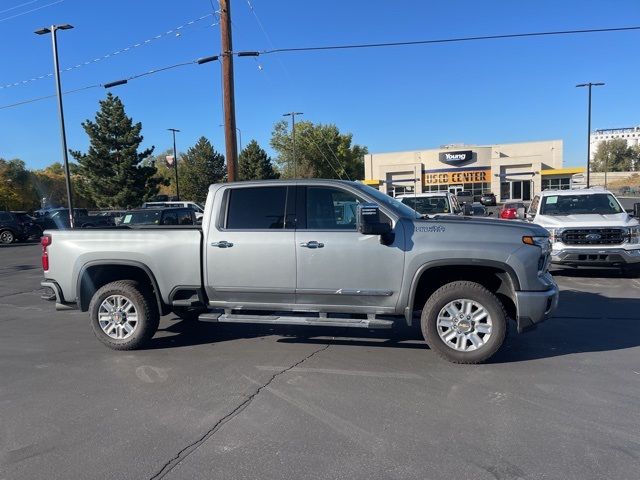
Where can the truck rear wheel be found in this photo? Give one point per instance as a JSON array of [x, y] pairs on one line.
[[463, 322], [124, 315]]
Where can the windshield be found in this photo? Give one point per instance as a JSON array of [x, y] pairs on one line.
[[151, 217], [388, 201], [597, 203], [428, 205]]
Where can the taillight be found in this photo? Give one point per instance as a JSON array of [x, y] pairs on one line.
[[509, 213], [45, 241]]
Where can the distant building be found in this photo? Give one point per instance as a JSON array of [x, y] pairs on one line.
[[513, 171], [630, 134]]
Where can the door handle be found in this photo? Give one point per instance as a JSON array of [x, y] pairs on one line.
[[222, 244], [312, 244]]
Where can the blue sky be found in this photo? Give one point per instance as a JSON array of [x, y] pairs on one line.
[[400, 98]]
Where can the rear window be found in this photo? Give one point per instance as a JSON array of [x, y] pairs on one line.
[[260, 208], [151, 217]]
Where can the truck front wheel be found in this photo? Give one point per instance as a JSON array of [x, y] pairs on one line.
[[124, 315], [464, 322]]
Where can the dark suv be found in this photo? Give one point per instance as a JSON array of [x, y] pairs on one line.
[[13, 227], [159, 216]]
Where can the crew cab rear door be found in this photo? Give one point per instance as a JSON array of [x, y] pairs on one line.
[[249, 252], [337, 265]]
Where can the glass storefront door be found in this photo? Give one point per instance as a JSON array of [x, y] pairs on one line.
[[516, 190]]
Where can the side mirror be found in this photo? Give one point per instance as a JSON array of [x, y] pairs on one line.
[[368, 220], [467, 210]]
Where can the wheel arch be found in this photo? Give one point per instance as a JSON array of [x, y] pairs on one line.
[[498, 277], [97, 273]]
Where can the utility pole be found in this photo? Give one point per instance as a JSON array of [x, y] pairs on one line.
[[293, 139], [56, 68], [599, 84], [175, 160], [228, 90]]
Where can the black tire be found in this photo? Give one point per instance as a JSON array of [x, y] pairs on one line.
[[145, 305], [477, 293], [7, 237]]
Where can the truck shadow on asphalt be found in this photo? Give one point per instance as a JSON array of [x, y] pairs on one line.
[[585, 322], [595, 273]]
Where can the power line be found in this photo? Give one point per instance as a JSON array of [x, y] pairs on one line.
[[19, 6], [177, 31], [29, 11], [448, 40], [132, 77], [37, 99], [325, 157], [337, 159]]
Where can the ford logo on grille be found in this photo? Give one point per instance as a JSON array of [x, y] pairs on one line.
[[593, 236]]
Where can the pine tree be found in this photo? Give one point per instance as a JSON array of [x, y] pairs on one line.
[[111, 174], [254, 164], [201, 166]]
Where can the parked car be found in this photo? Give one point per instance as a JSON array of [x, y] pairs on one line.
[[115, 216], [509, 211], [176, 204], [29, 227], [432, 203], [58, 218], [488, 199], [276, 252], [465, 197], [11, 230], [159, 216], [587, 227]]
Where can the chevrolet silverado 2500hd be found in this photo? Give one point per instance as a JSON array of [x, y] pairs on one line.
[[284, 252]]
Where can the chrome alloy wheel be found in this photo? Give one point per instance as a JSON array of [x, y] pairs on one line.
[[118, 317], [464, 325]]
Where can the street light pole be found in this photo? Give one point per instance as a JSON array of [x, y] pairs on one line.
[[175, 160], [589, 85], [293, 139], [52, 30]]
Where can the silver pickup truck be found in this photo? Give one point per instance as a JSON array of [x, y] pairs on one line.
[[294, 252]]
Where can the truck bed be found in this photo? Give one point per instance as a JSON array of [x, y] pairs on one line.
[[173, 254]]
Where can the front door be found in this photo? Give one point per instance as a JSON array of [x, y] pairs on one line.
[[250, 254], [336, 265], [455, 189]]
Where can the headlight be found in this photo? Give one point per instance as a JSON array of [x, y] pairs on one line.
[[633, 235], [542, 242]]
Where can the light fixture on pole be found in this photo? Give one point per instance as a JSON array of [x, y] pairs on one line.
[[293, 139], [175, 160], [56, 68], [589, 85]]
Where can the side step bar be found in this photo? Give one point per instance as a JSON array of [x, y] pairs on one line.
[[370, 322]]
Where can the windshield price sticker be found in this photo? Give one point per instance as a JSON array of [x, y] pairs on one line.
[[431, 229], [552, 200]]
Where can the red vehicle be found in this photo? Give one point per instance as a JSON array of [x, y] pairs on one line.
[[509, 211]]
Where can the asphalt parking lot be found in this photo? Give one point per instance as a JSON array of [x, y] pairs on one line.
[[223, 401]]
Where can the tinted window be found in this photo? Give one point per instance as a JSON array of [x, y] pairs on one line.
[[170, 218], [260, 208], [184, 217], [428, 205], [331, 208], [150, 217], [5, 217]]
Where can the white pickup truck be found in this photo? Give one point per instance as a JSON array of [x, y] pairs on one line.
[[587, 227]]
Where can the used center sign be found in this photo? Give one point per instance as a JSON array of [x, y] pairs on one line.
[[456, 177]]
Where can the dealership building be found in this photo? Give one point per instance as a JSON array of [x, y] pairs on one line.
[[513, 171]]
